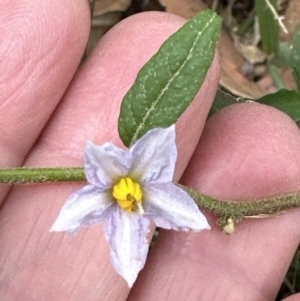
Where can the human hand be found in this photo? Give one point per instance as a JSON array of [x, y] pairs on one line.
[[40, 265], [247, 151]]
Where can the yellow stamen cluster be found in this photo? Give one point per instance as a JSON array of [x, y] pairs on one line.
[[128, 195]]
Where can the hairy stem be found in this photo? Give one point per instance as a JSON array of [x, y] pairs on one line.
[[232, 212], [23, 175], [228, 212]]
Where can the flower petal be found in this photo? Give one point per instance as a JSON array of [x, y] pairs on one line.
[[97, 217], [172, 208], [79, 206], [104, 164], [155, 155], [127, 235]]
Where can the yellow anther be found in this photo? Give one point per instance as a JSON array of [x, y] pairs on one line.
[[128, 195]]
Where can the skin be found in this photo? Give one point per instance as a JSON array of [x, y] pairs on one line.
[[48, 112]]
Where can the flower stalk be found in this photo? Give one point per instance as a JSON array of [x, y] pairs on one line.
[[25, 175], [228, 212], [233, 212]]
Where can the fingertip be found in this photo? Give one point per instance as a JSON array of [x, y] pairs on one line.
[[295, 297], [42, 43], [246, 151], [254, 147], [39, 34]]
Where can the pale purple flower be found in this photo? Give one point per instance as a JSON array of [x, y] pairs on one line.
[[147, 170]]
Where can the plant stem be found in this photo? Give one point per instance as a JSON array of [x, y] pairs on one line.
[[229, 213], [276, 76], [232, 212], [23, 175]]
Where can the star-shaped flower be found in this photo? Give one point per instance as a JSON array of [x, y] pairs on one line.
[[128, 188]]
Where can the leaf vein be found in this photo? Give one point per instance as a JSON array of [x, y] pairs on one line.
[[154, 104]]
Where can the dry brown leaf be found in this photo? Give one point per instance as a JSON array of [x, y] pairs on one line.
[[105, 6], [186, 9], [232, 64], [267, 83], [106, 14], [100, 25], [292, 18]]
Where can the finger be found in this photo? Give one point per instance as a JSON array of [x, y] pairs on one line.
[[295, 297], [41, 46], [247, 151], [78, 268]]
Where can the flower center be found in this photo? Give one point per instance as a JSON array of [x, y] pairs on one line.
[[128, 195]]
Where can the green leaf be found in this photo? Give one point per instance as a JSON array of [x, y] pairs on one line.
[[276, 76], [268, 24], [282, 57], [286, 101], [295, 56], [222, 100], [168, 83]]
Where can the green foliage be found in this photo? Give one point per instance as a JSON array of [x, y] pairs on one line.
[[282, 57], [291, 284], [168, 83], [286, 101], [222, 100], [294, 61], [268, 24], [277, 78]]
